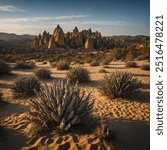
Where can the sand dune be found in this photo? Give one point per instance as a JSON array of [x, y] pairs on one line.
[[129, 118]]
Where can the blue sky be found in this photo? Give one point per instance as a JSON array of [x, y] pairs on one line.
[[110, 17]]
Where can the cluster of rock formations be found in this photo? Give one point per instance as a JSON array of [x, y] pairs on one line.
[[75, 39]]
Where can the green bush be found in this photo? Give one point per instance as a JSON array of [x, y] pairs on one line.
[[78, 74], [119, 85]]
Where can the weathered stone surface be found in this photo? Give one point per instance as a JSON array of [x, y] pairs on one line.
[[59, 36], [75, 39], [89, 43], [52, 44]]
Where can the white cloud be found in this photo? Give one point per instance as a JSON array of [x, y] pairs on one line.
[[36, 25], [10, 8]]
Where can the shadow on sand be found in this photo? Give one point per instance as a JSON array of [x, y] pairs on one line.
[[131, 135], [11, 139]]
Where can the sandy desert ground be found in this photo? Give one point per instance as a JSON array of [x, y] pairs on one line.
[[128, 118]]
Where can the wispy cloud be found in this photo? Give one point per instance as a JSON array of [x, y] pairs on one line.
[[35, 25], [10, 8], [43, 19]]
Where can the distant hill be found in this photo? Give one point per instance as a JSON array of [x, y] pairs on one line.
[[15, 41]]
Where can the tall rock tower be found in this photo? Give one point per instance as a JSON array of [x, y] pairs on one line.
[[58, 36]]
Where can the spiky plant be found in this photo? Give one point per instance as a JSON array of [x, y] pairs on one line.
[[78, 74], [60, 106], [62, 65], [25, 86], [119, 84], [4, 68], [42, 73]]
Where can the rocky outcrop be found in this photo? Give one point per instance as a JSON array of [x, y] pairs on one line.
[[89, 43], [52, 44], [59, 36], [75, 39]]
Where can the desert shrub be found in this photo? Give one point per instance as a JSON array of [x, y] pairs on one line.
[[129, 57], [115, 54], [42, 73], [24, 65], [131, 64], [25, 86], [78, 74], [102, 71], [60, 106], [62, 65], [119, 85], [94, 63], [4, 68], [143, 57], [105, 62], [145, 67]]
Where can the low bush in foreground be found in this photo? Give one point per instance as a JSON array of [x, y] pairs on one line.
[[42, 73], [145, 67], [62, 65], [25, 86], [78, 74], [119, 85], [131, 64], [24, 65], [94, 63], [60, 111], [4, 68]]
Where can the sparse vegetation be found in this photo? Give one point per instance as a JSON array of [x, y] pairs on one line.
[[119, 85], [145, 67], [42, 73], [55, 110], [62, 65], [78, 74], [25, 86], [94, 63], [4, 68], [103, 71], [131, 64], [105, 62], [24, 65]]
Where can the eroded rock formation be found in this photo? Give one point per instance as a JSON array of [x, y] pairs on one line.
[[75, 39]]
